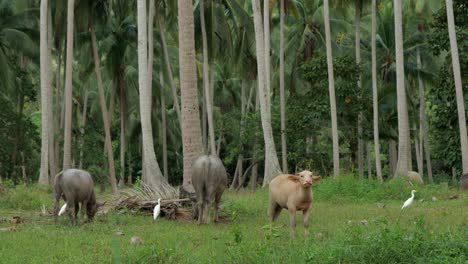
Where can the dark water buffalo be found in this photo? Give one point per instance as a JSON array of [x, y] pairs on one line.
[[209, 180], [75, 187]]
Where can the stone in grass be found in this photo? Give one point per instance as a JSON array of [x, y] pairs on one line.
[[364, 222], [135, 240], [318, 236]]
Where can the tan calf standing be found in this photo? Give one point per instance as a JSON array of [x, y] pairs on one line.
[[293, 193]]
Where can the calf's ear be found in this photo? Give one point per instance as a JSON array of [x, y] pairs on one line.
[[99, 204], [316, 178]]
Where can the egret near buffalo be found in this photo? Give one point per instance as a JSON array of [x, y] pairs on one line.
[[157, 210], [62, 210], [409, 201]]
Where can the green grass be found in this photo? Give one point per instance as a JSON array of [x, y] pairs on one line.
[[429, 232]]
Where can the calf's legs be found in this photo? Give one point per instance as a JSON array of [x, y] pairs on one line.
[[292, 219], [306, 222]]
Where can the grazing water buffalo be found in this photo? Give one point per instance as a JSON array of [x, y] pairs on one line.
[[293, 193], [209, 180], [75, 187]]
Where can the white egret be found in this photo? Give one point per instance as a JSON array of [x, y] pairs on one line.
[[62, 210], [409, 201], [157, 210]]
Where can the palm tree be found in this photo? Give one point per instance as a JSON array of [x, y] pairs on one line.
[[68, 87], [45, 87], [358, 11], [458, 84], [167, 63], [403, 125], [375, 103], [104, 111], [206, 82], [152, 176], [191, 130], [331, 87], [282, 99], [266, 39], [271, 160], [424, 134]]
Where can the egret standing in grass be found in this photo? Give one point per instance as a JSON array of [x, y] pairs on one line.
[[62, 210], [157, 210], [409, 201]]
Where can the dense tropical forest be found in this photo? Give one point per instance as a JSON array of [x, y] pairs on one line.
[[148, 112], [360, 87]]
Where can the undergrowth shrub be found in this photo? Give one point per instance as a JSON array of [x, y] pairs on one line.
[[25, 198]]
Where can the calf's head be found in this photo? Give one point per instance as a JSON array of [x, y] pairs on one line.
[[306, 178]]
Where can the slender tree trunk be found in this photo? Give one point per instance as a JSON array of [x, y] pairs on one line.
[[83, 127], [369, 160], [105, 118], [266, 39], [403, 126], [204, 123], [419, 160], [52, 165], [284, 154], [167, 62], [45, 87], [458, 85], [191, 131], [206, 82], [358, 8], [272, 168], [393, 155], [123, 121], [68, 87], [58, 110], [254, 175], [424, 134], [331, 87], [164, 126], [375, 100]]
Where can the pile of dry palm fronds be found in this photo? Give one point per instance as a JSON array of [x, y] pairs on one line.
[[142, 201]]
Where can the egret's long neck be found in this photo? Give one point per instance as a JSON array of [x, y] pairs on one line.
[[412, 194]]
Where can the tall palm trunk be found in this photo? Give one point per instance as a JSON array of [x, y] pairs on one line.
[[284, 154], [358, 9], [419, 158], [68, 87], [458, 84], [164, 125], [266, 39], [52, 165], [45, 87], [58, 110], [206, 82], [424, 134], [152, 175], [83, 125], [378, 165], [403, 126], [191, 131], [167, 62], [123, 121], [272, 168], [331, 87], [105, 117]]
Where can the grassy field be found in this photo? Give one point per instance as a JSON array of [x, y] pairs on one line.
[[428, 232]]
